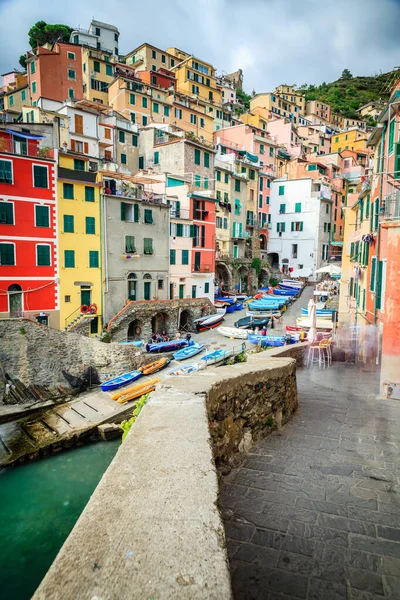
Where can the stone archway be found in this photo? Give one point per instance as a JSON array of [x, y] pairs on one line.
[[273, 258], [185, 320], [243, 279], [264, 277], [135, 329], [15, 300], [263, 242], [159, 322], [223, 277]]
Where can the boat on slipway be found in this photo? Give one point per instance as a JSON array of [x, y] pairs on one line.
[[168, 346], [117, 382], [155, 366], [231, 332], [210, 322], [266, 340], [183, 370], [215, 357], [188, 352], [250, 323]]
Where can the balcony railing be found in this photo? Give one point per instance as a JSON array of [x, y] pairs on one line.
[[251, 222], [84, 176], [392, 206], [25, 148], [202, 268], [200, 215]]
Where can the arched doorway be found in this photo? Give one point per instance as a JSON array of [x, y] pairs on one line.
[[147, 286], [263, 242], [15, 300], [135, 330], [264, 278], [159, 322], [185, 320], [132, 287], [223, 277], [273, 258]]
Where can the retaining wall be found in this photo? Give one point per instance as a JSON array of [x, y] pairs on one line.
[[152, 528]]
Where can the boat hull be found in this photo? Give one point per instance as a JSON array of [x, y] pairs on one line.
[[183, 370], [117, 382], [230, 332], [215, 357], [167, 346], [188, 352]]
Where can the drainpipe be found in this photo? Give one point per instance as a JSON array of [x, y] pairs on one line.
[[105, 244], [378, 239], [101, 264]]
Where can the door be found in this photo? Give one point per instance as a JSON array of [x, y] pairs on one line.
[[181, 290], [94, 326], [147, 290], [86, 295], [15, 299], [132, 289], [193, 291], [197, 260], [171, 291]]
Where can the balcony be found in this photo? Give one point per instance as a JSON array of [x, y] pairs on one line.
[[200, 215], [392, 206], [83, 176], [251, 222], [24, 147], [202, 268]]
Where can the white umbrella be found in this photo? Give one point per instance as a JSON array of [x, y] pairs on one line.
[[331, 269], [312, 316]]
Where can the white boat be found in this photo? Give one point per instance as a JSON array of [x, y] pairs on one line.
[[220, 311], [320, 324], [293, 282], [259, 314], [232, 332]]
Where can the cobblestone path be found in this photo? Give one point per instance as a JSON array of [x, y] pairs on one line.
[[314, 511]]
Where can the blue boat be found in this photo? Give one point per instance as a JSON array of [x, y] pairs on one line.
[[116, 382], [188, 352], [290, 287], [168, 346], [256, 305], [238, 306], [226, 299], [266, 340], [320, 311], [215, 357], [230, 309], [183, 370], [137, 343], [279, 292]]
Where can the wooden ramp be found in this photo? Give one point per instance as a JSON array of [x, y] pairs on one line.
[[58, 428]]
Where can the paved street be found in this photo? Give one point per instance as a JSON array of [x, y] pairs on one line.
[[314, 511]]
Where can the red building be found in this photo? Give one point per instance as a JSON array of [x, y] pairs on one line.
[[28, 229], [202, 213]]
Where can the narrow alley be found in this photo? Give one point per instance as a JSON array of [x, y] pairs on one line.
[[314, 510]]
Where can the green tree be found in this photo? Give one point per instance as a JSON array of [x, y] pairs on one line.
[[43, 33], [22, 61], [244, 98], [346, 74]]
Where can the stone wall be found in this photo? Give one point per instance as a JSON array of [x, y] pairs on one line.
[[142, 312], [155, 509], [297, 351], [37, 355]]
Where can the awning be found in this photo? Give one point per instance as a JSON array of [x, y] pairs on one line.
[[336, 243], [251, 157], [27, 136]]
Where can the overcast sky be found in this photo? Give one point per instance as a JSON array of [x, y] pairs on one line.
[[273, 41]]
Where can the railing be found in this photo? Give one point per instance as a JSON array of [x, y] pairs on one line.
[[251, 222], [196, 268], [25, 148], [77, 315], [392, 206], [200, 215]]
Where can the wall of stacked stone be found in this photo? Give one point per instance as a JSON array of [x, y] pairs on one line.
[[37, 355], [296, 351], [143, 312]]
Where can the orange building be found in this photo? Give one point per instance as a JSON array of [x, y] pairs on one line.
[[55, 73]]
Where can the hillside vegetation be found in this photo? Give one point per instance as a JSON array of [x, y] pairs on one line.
[[348, 93]]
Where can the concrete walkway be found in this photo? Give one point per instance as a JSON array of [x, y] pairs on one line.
[[314, 512]]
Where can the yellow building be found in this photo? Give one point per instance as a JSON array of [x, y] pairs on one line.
[[98, 72], [149, 58], [79, 237], [289, 93], [352, 139], [15, 95], [257, 119], [275, 104]]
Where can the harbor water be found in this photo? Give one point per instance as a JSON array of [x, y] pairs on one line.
[[39, 505]]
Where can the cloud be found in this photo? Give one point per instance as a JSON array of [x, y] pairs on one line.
[[273, 41]]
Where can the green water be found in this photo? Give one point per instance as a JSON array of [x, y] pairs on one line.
[[39, 505]]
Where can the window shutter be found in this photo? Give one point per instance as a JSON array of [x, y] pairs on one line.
[[43, 256], [351, 286], [86, 148], [185, 257], [373, 269], [123, 211], [192, 231], [301, 225], [397, 161], [172, 257], [93, 259], [178, 208], [136, 213], [73, 145], [78, 124], [379, 285], [292, 226]]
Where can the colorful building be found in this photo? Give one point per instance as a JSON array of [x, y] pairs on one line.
[[350, 139], [28, 228], [14, 95], [55, 73]]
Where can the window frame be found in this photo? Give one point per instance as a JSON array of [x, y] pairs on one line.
[[48, 214], [37, 255], [13, 244], [13, 211], [40, 187]]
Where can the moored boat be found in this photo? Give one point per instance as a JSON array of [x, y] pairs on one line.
[[189, 351], [215, 357], [167, 346], [210, 322], [136, 391], [155, 366], [220, 311], [250, 323], [320, 323], [231, 332], [183, 370], [266, 340], [137, 343], [116, 382]]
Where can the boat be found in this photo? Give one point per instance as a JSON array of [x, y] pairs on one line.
[[220, 311], [293, 282], [249, 323], [226, 299], [320, 323], [231, 332], [183, 370], [220, 304], [267, 340], [238, 306], [264, 305], [136, 391], [116, 382], [155, 366], [212, 358], [320, 312], [242, 297], [282, 292], [262, 314], [137, 343], [167, 346], [189, 351], [230, 309], [210, 322]]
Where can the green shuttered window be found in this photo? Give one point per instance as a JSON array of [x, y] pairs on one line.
[[43, 255], [93, 259], [69, 259]]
